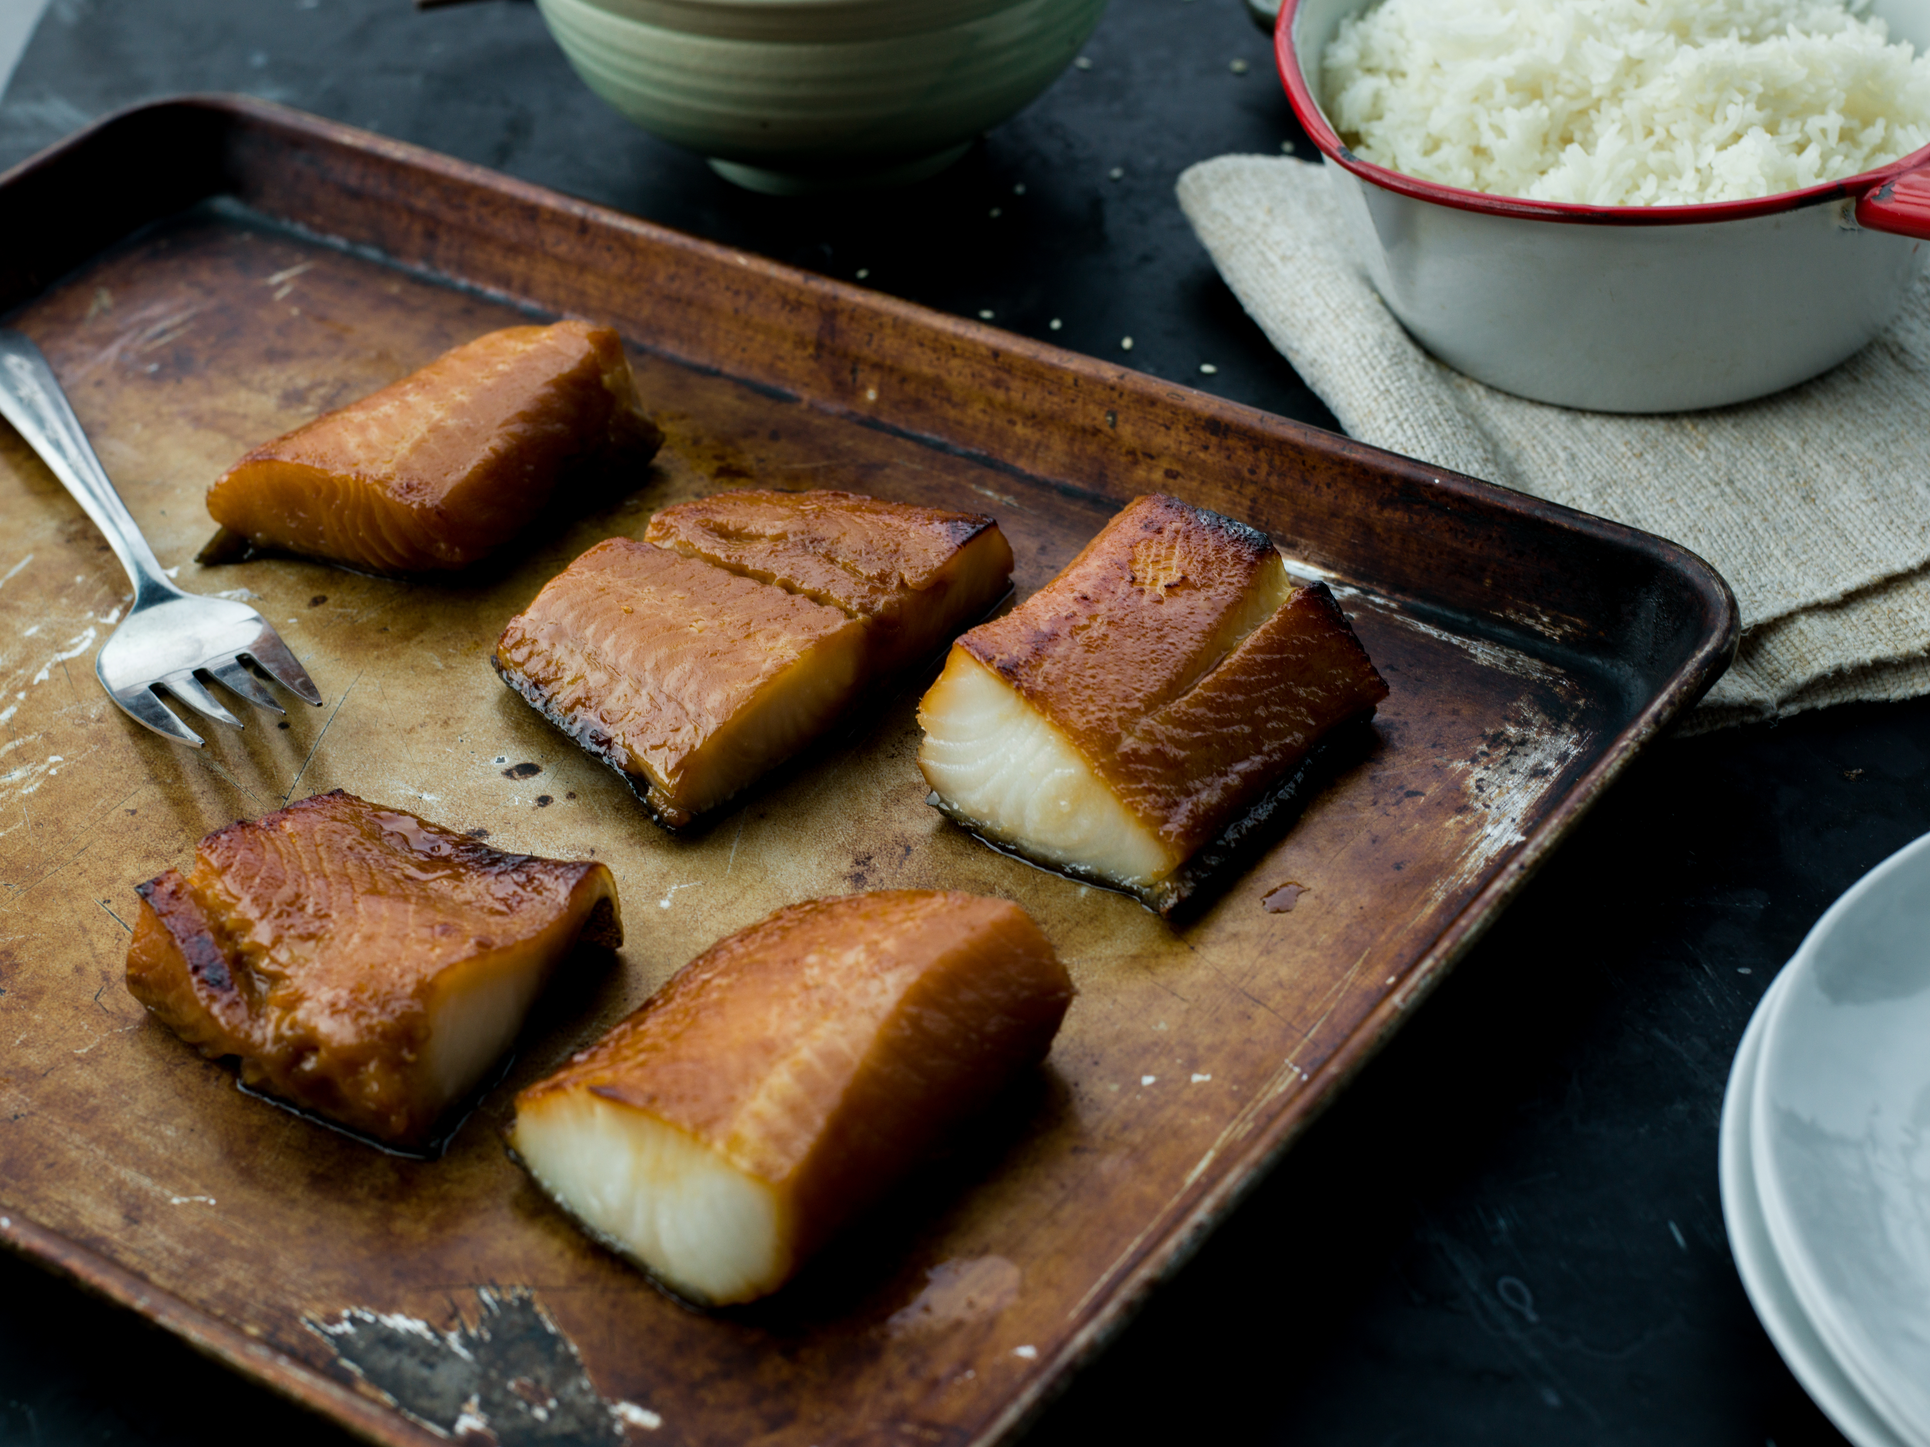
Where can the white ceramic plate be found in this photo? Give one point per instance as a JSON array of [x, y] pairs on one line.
[[1840, 1131], [1762, 1274]]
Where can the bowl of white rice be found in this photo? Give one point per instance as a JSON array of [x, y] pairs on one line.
[[1626, 205]]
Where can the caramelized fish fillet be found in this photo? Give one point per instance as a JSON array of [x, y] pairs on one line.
[[696, 661], [687, 679], [445, 466], [362, 963], [914, 574], [1144, 700], [784, 1078]]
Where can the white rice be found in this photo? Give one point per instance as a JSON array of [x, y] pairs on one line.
[[1625, 102]]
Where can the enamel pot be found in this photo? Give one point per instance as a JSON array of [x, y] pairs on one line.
[[1625, 308]]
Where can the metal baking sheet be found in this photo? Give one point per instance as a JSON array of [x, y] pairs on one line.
[[230, 270]]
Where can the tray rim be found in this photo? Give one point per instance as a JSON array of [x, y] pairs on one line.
[[1166, 1246]]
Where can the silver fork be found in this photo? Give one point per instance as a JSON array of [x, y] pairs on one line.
[[169, 638]]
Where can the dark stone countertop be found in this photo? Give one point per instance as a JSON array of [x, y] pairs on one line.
[[1519, 1239]]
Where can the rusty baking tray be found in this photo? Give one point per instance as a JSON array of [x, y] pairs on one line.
[[206, 273]]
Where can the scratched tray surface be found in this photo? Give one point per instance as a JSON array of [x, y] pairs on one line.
[[357, 1281]]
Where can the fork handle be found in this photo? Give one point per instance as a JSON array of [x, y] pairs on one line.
[[32, 400]]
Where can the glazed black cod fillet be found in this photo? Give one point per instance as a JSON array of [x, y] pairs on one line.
[[361, 962], [1142, 702], [740, 630], [784, 1078]]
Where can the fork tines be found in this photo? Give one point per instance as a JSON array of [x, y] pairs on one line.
[[268, 652]]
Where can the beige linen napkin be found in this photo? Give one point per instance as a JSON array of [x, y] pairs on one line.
[[1814, 503]]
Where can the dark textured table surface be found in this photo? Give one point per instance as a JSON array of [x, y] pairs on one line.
[[1507, 1231]]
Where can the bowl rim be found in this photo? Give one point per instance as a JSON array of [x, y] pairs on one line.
[[1321, 132]]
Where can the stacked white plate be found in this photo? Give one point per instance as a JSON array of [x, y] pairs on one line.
[[1826, 1157]]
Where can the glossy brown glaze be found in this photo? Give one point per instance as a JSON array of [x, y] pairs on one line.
[[687, 679], [1199, 761], [1158, 598], [825, 1049], [696, 661], [336, 946], [916, 575], [441, 468], [1144, 701]]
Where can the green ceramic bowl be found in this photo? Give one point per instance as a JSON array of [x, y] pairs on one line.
[[789, 96]]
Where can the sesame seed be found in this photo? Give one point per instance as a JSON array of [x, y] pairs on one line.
[[1125, 344], [1287, 146], [1147, 1079], [1115, 173], [1208, 369], [1084, 62], [1019, 189], [863, 272], [996, 212], [1055, 324], [985, 314], [1238, 67]]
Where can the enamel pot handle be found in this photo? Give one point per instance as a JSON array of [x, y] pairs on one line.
[[1900, 205]]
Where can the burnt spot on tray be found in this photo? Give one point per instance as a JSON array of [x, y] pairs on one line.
[[513, 1376], [522, 771]]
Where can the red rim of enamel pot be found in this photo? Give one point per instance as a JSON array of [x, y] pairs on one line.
[[1894, 198]]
